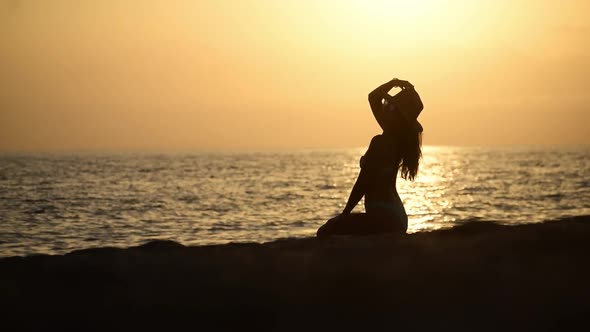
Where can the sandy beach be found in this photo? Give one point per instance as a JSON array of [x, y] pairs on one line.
[[480, 276]]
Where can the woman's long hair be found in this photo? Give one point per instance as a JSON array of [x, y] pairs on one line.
[[409, 151]]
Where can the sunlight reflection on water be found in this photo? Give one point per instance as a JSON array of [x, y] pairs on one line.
[[58, 203]]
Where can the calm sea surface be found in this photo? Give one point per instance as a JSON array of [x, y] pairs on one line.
[[55, 203]]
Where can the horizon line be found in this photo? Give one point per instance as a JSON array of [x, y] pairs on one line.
[[270, 149]]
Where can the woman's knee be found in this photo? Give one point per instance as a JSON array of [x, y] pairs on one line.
[[324, 230], [321, 231], [328, 228]]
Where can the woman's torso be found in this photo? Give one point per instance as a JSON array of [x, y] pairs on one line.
[[382, 162]]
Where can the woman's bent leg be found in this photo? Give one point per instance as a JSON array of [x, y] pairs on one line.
[[363, 224], [351, 224]]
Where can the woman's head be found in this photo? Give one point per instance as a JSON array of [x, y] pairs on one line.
[[406, 103]]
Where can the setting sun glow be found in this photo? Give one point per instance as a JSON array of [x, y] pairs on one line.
[[264, 74]]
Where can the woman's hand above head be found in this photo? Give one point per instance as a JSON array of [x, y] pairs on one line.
[[376, 100], [402, 84]]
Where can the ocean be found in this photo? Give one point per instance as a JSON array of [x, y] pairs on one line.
[[56, 203]]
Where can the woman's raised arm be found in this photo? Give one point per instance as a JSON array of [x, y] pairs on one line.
[[376, 99]]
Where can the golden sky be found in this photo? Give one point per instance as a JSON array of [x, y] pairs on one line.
[[258, 74]]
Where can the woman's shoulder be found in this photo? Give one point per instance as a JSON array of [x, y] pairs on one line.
[[381, 149], [379, 141], [377, 146]]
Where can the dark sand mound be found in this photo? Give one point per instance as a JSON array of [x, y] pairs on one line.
[[480, 276]]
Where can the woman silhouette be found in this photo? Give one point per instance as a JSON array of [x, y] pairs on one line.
[[397, 148]]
